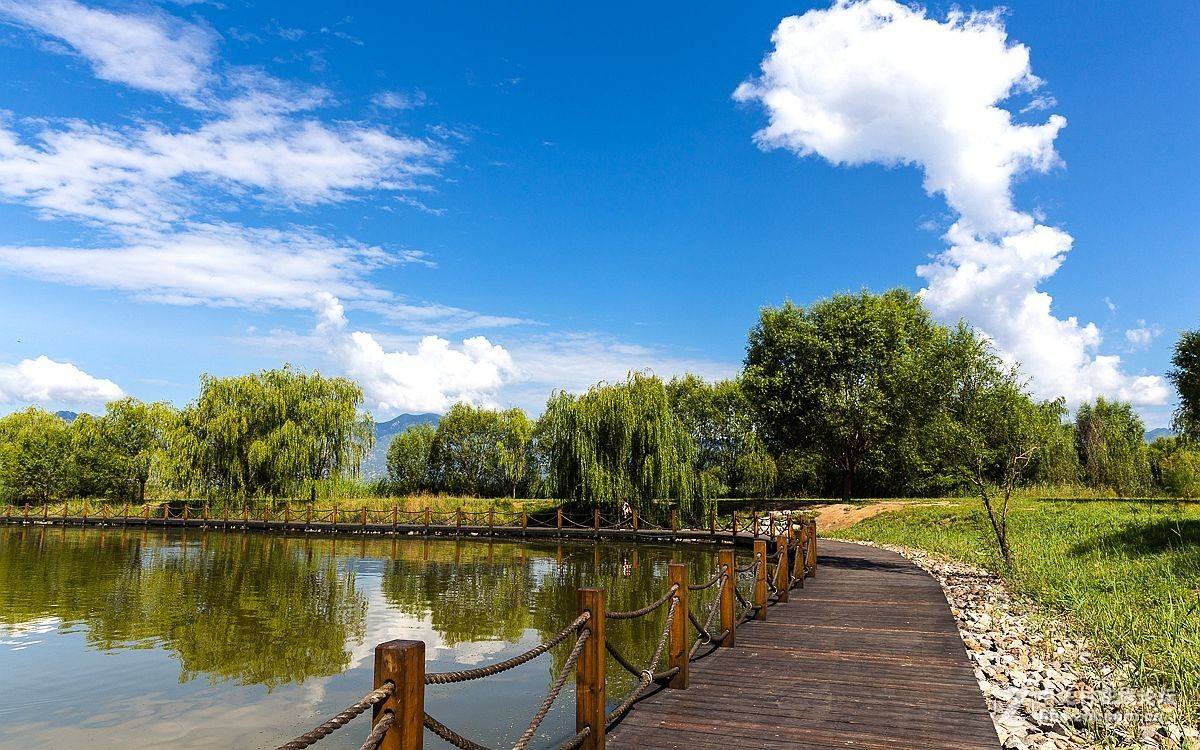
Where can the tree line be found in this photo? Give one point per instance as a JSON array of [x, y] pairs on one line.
[[857, 395]]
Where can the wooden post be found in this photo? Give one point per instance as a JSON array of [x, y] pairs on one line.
[[266, 511], [726, 559], [185, 512], [524, 520], [674, 519], [733, 520], [635, 519], [26, 511], [677, 647], [589, 672], [364, 515], [560, 518], [287, 513], [491, 518], [428, 517], [760, 579], [85, 512], [798, 567], [308, 515], [596, 521], [204, 510], [712, 520], [335, 516], [401, 663], [395, 514], [812, 548], [754, 524], [458, 518], [245, 515], [783, 572]]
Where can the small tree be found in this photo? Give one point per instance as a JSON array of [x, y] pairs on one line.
[[35, 450], [138, 434], [513, 448], [408, 459], [1112, 448], [994, 430], [1185, 374]]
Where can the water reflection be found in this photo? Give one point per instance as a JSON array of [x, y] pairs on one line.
[[244, 639]]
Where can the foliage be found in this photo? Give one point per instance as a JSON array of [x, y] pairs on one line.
[[854, 378], [729, 450], [35, 448], [270, 434], [1185, 374], [408, 459], [1175, 466], [1112, 450], [994, 430], [1124, 574], [619, 442]]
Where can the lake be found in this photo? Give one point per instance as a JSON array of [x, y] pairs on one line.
[[123, 638]]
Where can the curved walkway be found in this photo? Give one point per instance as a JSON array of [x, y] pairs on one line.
[[866, 655]]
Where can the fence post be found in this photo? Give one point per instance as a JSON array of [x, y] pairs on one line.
[[287, 513], [403, 664], [760, 579], [458, 518], [733, 520], [589, 672], [674, 520], [524, 520], [395, 514], [308, 516], [27, 511], [491, 519], [782, 572], [726, 559], [560, 518], [85, 512], [812, 547], [798, 567], [364, 515], [428, 517], [335, 516], [596, 521], [677, 653], [712, 520], [185, 512]]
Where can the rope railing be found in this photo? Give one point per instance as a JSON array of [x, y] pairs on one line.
[[398, 700]]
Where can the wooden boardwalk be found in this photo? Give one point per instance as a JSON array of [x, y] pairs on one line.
[[866, 655]]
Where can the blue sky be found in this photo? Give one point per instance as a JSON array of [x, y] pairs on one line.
[[205, 187]]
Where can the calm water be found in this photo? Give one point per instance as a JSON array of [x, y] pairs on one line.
[[139, 639]]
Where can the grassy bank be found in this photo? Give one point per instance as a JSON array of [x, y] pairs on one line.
[[1124, 574]]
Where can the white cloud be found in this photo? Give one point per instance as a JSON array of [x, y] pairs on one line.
[[431, 379], [54, 384], [1142, 336], [880, 82], [400, 99], [151, 175], [153, 51]]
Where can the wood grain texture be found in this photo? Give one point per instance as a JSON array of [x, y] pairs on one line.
[[868, 656]]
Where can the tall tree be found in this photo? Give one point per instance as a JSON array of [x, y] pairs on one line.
[[34, 455], [618, 442], [465, 452], [513, 451], [848, 377], [408, 459], [1185, 374], [1112, 449], [138, 434]]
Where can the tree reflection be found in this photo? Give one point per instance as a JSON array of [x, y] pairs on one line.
[[247, 608]]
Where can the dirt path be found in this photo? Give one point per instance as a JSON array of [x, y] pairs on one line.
[[840, 515]]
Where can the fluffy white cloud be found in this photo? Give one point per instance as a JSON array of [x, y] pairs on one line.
[[431, 379], [875, 81], [151, 51], [55, 384], [1142, 336]]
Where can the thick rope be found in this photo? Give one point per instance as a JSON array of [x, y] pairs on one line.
[[451, 736], [710, 582], [647, 675], [568, 665], [375, 738], [577, 740], [337, 722], [447, 678], [635, 613], [704, 635]]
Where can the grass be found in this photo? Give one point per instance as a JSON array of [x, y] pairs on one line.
[[1124, 574]]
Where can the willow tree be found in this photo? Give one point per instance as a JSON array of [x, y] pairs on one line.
[[618, 442], [271, 434]]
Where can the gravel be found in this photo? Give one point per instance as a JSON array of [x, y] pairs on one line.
[[1045, 688]]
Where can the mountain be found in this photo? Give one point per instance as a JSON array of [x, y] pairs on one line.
[[66, 416], [1157, 432], [375, 463]]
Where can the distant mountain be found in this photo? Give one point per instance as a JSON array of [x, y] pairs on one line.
[[68, 416], [1157, 432], [375, 464]]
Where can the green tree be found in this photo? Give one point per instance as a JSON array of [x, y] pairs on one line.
[[137, 433], [35, 448], [720, 422], [1185, 374], [1111, 444], [850, 378], [513, 451], [408, 459], [465, 454], [618, 442], [270, 433], [993, 431], [96, 469]]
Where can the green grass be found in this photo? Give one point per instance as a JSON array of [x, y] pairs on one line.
[[1124, 574]]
